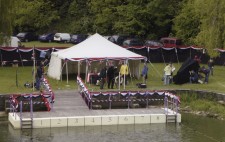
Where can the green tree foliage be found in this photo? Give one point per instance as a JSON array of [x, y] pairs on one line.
[[212, 28], [35, 15], [202, 22], [160, 16], [187, 23], [145, 18], [104, 13], [79, 17], [6, 19]]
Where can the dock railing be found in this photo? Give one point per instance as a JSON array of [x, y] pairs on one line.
[[128, 99]]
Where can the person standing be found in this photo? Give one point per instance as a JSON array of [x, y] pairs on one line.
[[167, 71], [39, 75], [111, 76], [102, 77], [144, 73], [211, 66], [124, 71]]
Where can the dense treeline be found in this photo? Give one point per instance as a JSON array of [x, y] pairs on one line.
[[197, 22], [143, 18], [6, 18]]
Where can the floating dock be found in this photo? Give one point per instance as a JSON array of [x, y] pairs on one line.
[[69, 110]]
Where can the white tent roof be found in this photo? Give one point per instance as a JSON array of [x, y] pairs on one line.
[[96, 47]]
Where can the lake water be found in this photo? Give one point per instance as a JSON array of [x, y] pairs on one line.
[[192, 129]]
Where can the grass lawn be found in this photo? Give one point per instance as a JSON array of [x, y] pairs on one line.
[[23, 74], [46, 44]]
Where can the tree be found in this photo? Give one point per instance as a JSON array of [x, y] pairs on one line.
[[186, 23], [79, 16], [6, 18], [160, 16], [202, 22], [212, 28], [144, 18], [35, 15]]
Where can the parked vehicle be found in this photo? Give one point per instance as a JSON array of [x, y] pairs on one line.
[[153, 43], [26, 36], [133, 42], [107, 37], [110, 38], [119, 39], [62, 37], [13, 42], [75, 39], [49, 37], [171, 42]]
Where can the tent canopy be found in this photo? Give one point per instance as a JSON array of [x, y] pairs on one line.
[[95, 48]]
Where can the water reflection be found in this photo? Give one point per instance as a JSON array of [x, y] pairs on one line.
[[192, 129]]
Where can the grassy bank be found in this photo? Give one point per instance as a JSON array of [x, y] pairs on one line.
[[192, 103]]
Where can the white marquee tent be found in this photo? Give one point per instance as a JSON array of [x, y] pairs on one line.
[[94, 51]]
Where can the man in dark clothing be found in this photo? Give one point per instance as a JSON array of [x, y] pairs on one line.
[[111, 76], [193, 77], [206, 72], [102, 77], [39, 75]]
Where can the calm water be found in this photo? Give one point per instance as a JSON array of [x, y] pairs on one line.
[[192, 129]]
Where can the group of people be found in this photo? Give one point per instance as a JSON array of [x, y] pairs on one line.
[[110, 75], [203, 73]]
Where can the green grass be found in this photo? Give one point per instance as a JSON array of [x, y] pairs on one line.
[[46, 44], [216, 84], [24, 74]]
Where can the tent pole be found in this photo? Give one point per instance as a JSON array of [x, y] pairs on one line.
[[20, 57], [78, 68], [86, 71], [67, 73], [163, 57], [119, 80], [124, 76], [130, 72], [124, 81], [177, 56], [62, 70]]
